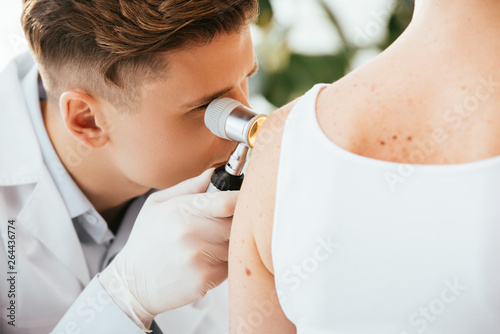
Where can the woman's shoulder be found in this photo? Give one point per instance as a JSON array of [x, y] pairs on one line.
[[255, 208]]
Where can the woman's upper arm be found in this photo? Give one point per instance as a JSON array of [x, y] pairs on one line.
[[253, 302]]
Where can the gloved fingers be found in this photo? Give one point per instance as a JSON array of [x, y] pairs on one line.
[[196, 185], [213, 280], [209, 253], [219, 274], [217, 255], [213, 230], [214, 205], [214, 276]]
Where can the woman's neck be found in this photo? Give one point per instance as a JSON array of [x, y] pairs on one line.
[[484, 13], [462, 31]]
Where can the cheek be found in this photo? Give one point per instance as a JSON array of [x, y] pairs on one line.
[[175, 139], [162, 153]]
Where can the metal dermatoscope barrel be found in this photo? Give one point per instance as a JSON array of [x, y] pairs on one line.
[[231, 120]]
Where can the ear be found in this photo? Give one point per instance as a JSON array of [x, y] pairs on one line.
[[82, 115]]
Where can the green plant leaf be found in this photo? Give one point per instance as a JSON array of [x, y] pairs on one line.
[[265, 13]]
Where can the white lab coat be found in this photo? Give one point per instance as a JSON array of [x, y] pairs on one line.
[[50, 264]]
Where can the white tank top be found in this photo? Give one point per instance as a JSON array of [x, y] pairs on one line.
[[367, 246]]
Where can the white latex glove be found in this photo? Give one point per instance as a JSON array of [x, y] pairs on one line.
[[176, 252]]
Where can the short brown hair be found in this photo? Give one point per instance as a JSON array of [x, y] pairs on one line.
[[106, 46]]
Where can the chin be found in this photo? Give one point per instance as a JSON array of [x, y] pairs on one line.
[[174, 179]]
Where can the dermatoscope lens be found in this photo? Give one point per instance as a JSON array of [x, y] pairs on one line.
[[254, 130]]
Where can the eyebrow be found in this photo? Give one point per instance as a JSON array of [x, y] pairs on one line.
[[207, 99]]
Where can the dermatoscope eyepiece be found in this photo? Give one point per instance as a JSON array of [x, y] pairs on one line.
[[231, 120]]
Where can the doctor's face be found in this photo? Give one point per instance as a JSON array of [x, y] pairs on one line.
[[165, 140]]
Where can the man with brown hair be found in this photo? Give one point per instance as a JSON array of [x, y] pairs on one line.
[[110, 110]]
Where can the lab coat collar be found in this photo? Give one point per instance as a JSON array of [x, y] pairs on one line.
[[46, 218], [21, 156], [44, 214]]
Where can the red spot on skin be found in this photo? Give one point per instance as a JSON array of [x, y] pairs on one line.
[[248, 272], [242, 241], [373, 87], [464, 87]]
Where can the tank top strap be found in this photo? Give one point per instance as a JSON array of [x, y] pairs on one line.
[[298, 134], [305, 109]]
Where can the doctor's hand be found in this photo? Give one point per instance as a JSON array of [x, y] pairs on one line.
[[176, 252]]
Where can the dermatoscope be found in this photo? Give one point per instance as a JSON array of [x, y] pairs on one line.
[[231, 120]]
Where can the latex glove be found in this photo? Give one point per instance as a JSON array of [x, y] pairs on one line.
[[176, 252]]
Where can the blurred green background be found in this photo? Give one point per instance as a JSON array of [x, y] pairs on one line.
[[286, 74]]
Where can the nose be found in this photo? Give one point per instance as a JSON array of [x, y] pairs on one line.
[[240, 93]]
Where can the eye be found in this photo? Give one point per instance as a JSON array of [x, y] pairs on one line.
[[200, 108]]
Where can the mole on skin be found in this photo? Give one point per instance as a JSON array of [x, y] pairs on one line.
[[248, 272], [395, 138]]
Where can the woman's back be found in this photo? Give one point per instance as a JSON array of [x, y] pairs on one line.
[[412, 248], [368, 246], [441, 79]]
